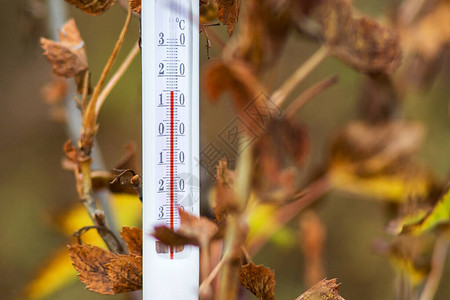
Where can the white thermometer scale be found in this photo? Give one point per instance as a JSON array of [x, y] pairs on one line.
[[170, 120]]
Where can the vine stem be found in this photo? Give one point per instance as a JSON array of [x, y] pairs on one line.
[[116, 77], [306, 68], [308, 94], [437, 268], [285, 213], [91, 113], [235, 233], [207, 281]]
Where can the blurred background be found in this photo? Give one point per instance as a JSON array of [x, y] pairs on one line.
[[34, 188]]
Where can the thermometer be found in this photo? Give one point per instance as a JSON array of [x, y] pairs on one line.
[[170, 142]]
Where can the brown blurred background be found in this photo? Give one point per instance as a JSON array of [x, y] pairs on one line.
[[33, 185]]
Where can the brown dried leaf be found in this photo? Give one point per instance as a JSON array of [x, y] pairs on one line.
[[193, 230], [133, 237], [135, 6], [223, 200], [369, 47], [361, 42], [259, 280], [235, 78], [375, 148], [93, 7], [71, 151], [125, 273], [90, 262], [263, 32], [323, 290], [68, 57], [284, 143], [228, 13]]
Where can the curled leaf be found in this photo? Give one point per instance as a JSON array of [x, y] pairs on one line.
[[228, 13], [236, 78], [259, 280], [68, 56], [360, 42], [93, 7], [105, 272], [323, 290], [263, 32]]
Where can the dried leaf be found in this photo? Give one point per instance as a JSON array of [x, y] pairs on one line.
[[236, 78], [222, 198], [105, 272], [125, 273], [93, 7], [361, 42], [68, 57], [90, 262], [376, 160], [263, 32], [133, 237], [135, 6], [323, 290], [371, 149], [228, 13], [283, 144], [71, 152], [193, 230], [259, 280], [369, 47]]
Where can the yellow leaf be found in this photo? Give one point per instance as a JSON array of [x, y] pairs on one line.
[[396, 187]]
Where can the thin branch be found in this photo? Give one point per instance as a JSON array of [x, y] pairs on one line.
[[289, 211], [437, 268], [85, 92], [307, 67], [207, 281], [310, 93], [90, 116], [116, 77], [212, 35]]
